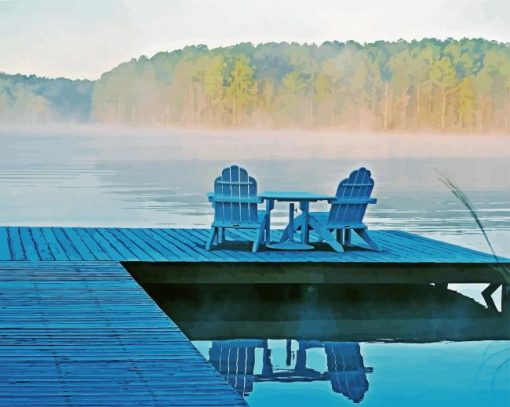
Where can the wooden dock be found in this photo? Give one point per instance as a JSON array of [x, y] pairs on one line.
[[188, 246], [77, 329], [87, 334], [155, 255]]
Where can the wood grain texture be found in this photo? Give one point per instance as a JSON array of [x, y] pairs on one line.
[[188, 245], [86, 334]]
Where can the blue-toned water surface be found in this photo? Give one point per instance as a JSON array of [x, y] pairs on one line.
[[373, 374], [91, 178]]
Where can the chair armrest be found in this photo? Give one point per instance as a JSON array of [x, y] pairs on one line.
[[219, 198], [358, 201]]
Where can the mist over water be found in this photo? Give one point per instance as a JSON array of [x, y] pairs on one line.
[[70, 175], [137, 176]]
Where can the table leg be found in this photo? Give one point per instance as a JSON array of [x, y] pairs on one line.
[[291, 222], [305, 208], [289, 243], [269, 207]]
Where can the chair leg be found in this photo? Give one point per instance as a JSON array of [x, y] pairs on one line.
[[326, 235], [348, 238], [298, 224], [221, 235], [212, 237], [329, 239], [267, 230], [339, 236], [259, 237], [368, 240], [285, 234]]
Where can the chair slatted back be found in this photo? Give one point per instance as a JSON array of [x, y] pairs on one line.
[[237, 193], [357, 187]]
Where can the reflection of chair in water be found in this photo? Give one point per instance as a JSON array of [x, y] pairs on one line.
[[300, 373], [235, 360], [346, 369]]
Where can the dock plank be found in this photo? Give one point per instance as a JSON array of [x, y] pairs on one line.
[[15, 245], [146, 245], [105, 245], [78, 244], [135, 248], [28, 244], [57, 250], [125, 252], [169, 251], [193, 254], [85, 333], [66, 244], [97, 250], [188, 245], [43, 248], [5, 253]]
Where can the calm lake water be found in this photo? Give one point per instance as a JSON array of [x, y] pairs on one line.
[[103, 177]]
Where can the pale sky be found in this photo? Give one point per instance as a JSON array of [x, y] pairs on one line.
[[83, 39]]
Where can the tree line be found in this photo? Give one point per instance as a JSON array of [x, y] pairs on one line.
[[31, 99], [427, 85]]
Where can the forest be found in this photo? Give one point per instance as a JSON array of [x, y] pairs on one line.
[[427, 85], [30, 99]]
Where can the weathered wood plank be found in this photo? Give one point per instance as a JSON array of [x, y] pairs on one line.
[[80, 247], [166, 250], [58, 252], [127, 254], [66, 244], [96, 249], [43, 248], [183, 250], [15, 245], [185, 245], [5, 253], [136, 249], [105, 245], [188, 245], [146, 246], [85, 333], [28, 244]]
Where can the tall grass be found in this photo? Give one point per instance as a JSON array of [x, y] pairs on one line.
[[502, 268], [466, 202]]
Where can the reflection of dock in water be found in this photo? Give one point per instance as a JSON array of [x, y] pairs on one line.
[[386, 330], [345, 369], [330, 313]]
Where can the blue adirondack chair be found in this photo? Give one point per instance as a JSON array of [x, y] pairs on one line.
[[235, 204], [346, 213]]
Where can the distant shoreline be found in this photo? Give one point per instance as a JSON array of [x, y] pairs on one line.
[[63, 124], [441, 86], [292, 143]]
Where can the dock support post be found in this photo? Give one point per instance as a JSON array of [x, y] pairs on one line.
[[487, 296], [505, 299]]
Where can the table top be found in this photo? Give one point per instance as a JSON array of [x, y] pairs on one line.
[[295, 196]]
